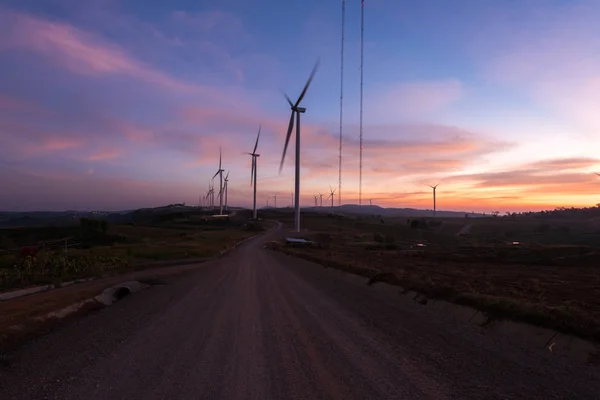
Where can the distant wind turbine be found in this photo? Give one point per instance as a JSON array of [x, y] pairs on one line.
[[434, 188], [316, 196], [220, 173], [321, 198], [225, 188], [253, 170], [331, 194], [275, 200], [296, 111]]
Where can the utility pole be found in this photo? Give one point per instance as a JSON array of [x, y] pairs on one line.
[[362, 34], [341, 101]]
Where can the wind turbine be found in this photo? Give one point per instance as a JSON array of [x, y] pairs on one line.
[[225, 188], [275, 201], [331, 194], [209, 196], [220, 173], [296, 110], [316, 196], [253, 170], [434, 188], [321, 198]]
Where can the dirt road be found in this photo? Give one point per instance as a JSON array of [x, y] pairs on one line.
[[257, 324]]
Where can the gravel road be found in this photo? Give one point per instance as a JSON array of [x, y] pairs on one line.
[[257, 324]]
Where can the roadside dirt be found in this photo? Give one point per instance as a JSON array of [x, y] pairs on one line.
[[21, 317], [552, 286]]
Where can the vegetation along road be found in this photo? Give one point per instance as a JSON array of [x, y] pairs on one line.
[[259, 324]]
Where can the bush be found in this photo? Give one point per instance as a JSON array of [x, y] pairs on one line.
[[52, 267]]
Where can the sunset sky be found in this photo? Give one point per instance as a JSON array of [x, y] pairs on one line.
[[118, 104]]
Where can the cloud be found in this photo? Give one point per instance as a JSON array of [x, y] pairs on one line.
[[553, 177], [214, 21], [32, 190], [414, 99], [552, 54], [105, 155], [76, 49], [563, 164]]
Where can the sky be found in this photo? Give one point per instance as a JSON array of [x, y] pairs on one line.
[[119, 104]]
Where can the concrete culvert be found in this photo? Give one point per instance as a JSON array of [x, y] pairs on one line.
[[121, 292], [117, 292]]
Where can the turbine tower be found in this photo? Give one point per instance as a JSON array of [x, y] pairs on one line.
[[296, 111], [220, 173], [321, 198], [316, 196], [253, 171], [434, 188]]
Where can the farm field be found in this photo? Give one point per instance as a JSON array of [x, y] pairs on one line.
[[542, 271], [54, 254]]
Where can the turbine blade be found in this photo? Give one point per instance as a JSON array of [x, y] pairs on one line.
[[287, 140], [310, 78], [215, 175], [227, 176], [287, 98], [257, 137]]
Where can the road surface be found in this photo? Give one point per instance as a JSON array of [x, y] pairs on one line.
[[257, 324]]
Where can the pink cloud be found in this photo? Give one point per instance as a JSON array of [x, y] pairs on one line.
[[77, 50], [105, 155], [553, 57], [57, 143], [414, 99]]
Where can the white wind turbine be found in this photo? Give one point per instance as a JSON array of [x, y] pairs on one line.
[[225, 188], [434, 188], [253, 171], [220, 173], [296, 111], [331, 195]]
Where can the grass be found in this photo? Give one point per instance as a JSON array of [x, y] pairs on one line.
[[115, 249], [554, 285]]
